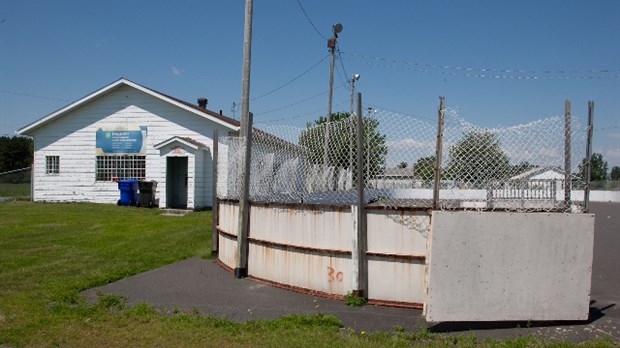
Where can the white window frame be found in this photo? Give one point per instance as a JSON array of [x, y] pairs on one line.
[[52, 165]]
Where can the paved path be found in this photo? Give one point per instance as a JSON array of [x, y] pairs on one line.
[[204, 285]]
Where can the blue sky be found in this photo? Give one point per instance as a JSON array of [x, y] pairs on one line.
[[408, 54]]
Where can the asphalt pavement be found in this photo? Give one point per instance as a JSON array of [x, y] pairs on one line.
[[203, 285]]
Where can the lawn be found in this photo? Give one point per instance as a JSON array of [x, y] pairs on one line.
[[51, 252], [14, 190]]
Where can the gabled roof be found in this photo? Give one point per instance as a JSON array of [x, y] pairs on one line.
[[183, 140], [208, 114], [536, 171]]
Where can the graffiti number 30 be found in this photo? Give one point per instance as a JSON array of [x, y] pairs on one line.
[[332, 275]]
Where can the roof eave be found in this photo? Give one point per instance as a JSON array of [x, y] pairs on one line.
[[27, 130], [177, 139], [42, 121]]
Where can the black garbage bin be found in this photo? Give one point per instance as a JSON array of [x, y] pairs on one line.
[[147, 193]]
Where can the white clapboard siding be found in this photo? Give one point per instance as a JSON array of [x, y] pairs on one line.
[[71, 136]]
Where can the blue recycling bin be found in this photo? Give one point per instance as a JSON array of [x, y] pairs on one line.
[[129, 191]]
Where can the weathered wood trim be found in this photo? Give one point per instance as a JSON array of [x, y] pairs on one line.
[[298, 248]]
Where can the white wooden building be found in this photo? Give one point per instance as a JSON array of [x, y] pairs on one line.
[[125, 130]]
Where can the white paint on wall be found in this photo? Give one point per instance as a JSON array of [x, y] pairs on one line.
[[71, 136]]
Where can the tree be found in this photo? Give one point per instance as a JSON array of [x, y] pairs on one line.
[[477, 159], [615, 173], [598, 167], [15, 153], [424, 168], [522, 167], [402, 165], [342, 150]]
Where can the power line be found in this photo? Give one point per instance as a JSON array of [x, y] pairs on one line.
[[292, 80], [344, 71], [297, 116], [310, 21], [33, 96], [302, 115], [292, 104]]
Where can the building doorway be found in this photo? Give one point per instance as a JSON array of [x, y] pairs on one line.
[[176, 182]]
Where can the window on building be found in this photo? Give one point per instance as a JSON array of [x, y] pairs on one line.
[[52, 165], [113, 168]]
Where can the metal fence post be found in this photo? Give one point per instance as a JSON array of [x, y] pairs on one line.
[[241, 269], [588, 169], [567, 152], [214, 203], [438, 152]]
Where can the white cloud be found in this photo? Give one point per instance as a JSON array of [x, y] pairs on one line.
[[613, 135], [613, 154], [175, 70]]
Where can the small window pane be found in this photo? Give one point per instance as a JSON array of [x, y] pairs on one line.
[[52, 165]]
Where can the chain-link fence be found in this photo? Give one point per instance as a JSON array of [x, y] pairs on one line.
[[518, 168], [15, 183]]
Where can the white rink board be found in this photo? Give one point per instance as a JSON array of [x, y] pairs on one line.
[[493, 266]]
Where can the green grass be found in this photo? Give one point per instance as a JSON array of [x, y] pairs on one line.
[[14, 190], [50, 252]]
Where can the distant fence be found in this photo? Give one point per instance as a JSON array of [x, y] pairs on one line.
[[517, 168], [16, 183]]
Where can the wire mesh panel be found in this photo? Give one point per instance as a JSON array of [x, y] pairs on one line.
[[517, 168]]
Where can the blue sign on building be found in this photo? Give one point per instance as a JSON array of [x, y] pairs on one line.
[[121, 140]]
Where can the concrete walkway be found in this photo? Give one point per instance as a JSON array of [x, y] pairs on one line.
[[204, 285]]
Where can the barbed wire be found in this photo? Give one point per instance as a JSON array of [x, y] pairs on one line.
[[513, 74]]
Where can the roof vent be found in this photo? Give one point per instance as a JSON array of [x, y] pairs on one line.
[[202, 102]]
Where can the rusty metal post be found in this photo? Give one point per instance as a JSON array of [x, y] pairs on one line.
[[214, 203], [359, 261], [588, 168], [438, 152], [567, 152]]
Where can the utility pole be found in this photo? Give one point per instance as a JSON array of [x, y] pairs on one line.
[[331, 44], [241, 268]]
